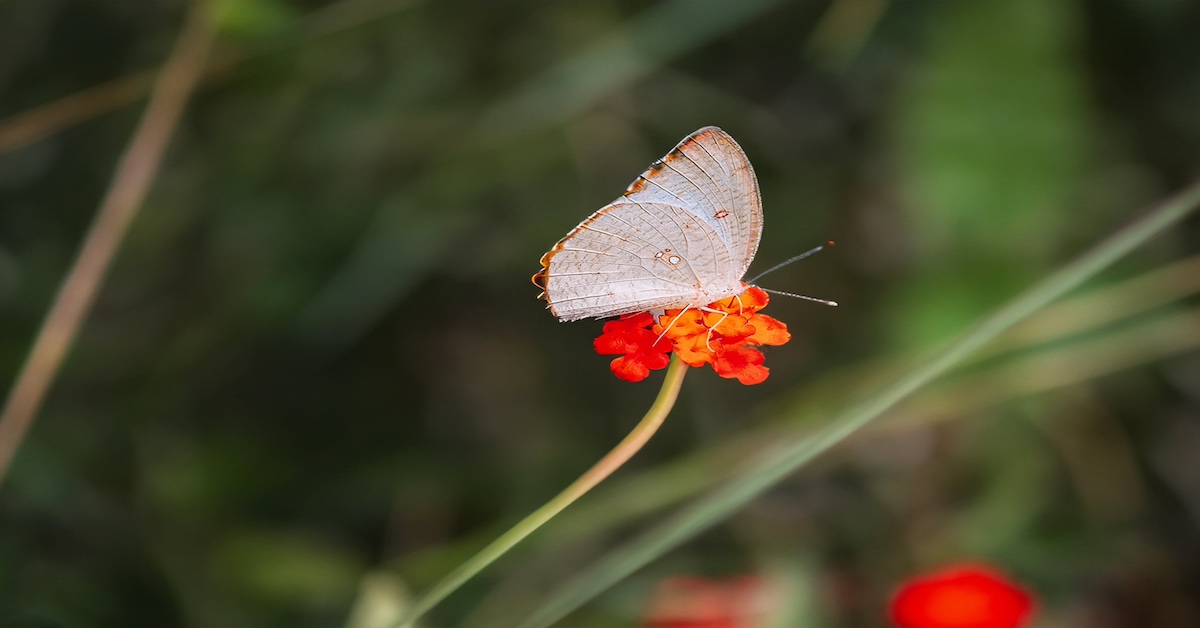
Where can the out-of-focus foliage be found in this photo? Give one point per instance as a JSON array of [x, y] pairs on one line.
[[318, 363]]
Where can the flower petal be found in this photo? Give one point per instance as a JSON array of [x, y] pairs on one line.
[[689, 323], [768, 331], [743, 364], [615, 343], [694, 353], [629, 335], [755, 299], [630, 368], [732, 327]]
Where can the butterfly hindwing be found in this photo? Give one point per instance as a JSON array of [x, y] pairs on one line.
[[632, 257]]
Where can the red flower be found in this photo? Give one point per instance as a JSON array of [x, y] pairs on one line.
[[963, 596], [686, 602], [630, 337], [720, 334]]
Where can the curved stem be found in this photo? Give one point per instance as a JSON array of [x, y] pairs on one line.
[[130, 184], [605, 467]]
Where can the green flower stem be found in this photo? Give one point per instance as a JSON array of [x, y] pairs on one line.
[[605, 467]]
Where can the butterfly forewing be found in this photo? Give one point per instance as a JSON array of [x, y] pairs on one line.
[[683, 234], [710, 176]]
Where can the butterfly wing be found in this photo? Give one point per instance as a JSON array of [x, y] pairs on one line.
[[631, 257], [709, 175], [683, 234]]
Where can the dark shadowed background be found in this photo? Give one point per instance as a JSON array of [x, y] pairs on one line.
[[318, 356]]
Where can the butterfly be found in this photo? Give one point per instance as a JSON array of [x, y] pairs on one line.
[[681, 236]]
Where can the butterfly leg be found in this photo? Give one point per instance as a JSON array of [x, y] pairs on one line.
[[708, 336], [672, 323]]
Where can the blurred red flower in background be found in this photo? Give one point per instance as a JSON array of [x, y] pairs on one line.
[[962, 596], [721, 335], [687, 602]]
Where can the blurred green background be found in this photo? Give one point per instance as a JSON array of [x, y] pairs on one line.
[[318, 357]]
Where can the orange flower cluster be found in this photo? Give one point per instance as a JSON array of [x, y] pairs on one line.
[[720, 334], [962, 596]]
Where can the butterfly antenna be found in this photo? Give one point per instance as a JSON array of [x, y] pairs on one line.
[[800, 296], [788, 261]]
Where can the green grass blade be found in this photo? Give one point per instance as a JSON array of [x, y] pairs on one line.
[[789, 456]]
